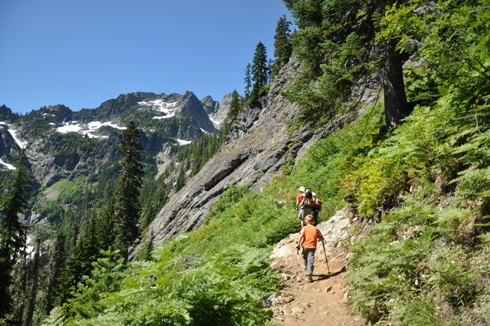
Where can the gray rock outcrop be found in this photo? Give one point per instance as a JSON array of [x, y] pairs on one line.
[[210, 106], [190, 104]]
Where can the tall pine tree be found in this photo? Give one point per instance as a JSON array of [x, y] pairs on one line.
[[282, 44], [248, 80], [12, 232], [259, 70], [55, 267], [127, 207]]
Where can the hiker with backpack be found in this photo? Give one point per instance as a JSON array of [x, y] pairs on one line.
[[316, 207], [309, 236], [304, 201]]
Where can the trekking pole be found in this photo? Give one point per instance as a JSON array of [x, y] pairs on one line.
[[325, 252], [297, 258]]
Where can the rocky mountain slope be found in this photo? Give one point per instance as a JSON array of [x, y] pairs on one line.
[[257, 147]]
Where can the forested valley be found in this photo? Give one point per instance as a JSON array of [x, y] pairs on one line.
[[399, 93]]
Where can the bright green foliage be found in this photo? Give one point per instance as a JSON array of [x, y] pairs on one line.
[[55, 318], [105, 277], [420, 266], [218, 274]]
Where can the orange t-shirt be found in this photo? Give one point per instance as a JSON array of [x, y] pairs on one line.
[[299, 197], [311, 234]]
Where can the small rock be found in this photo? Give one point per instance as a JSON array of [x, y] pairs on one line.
[[293, 316], [297, 310], [288, 299], [346, 296], [329, 289]]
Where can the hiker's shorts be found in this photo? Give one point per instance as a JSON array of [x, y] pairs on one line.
[[303, 212]]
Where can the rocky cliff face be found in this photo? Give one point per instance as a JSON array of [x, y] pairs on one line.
[[190, 104], [218, 116], [253, 155], [210, 105]]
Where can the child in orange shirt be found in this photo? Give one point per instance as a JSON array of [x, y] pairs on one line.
[[310, 235]]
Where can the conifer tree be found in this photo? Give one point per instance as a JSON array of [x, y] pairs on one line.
[[77, 264], [336, 41], [180, 182], [282, 44], [235, 106], [12, 232], [248, 80], [105, 225], [20, 293], [148, 248], [55, 268], [259, 69], [127, 207], [34, 286]]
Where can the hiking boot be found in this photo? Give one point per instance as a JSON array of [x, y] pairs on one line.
[[309, 279]]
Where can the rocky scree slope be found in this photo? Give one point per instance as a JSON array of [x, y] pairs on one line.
[[253, 154]]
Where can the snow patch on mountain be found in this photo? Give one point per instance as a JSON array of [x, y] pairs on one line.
[[68, 127], [183, 142], [159, 117], [160, 105], [7, 165], [216, 122], [169, 108], [20, 143], [88, 130]]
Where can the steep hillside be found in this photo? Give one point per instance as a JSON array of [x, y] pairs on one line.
[[260, 142]]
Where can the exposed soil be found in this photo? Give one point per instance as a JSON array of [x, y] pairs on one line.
[[319, 303]]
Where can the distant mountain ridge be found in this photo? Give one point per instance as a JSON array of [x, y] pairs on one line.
[[63, 144]]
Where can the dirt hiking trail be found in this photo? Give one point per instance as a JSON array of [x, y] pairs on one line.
[[323, 301]]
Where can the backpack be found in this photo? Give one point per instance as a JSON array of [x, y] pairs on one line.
[[318, 205], [307, 198]]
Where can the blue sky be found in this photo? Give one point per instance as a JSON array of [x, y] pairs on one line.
[[81, 53]]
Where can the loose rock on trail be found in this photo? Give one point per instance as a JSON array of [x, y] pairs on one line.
[[323, 301]]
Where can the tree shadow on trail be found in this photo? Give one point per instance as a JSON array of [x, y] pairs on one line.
[[326, 276]]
